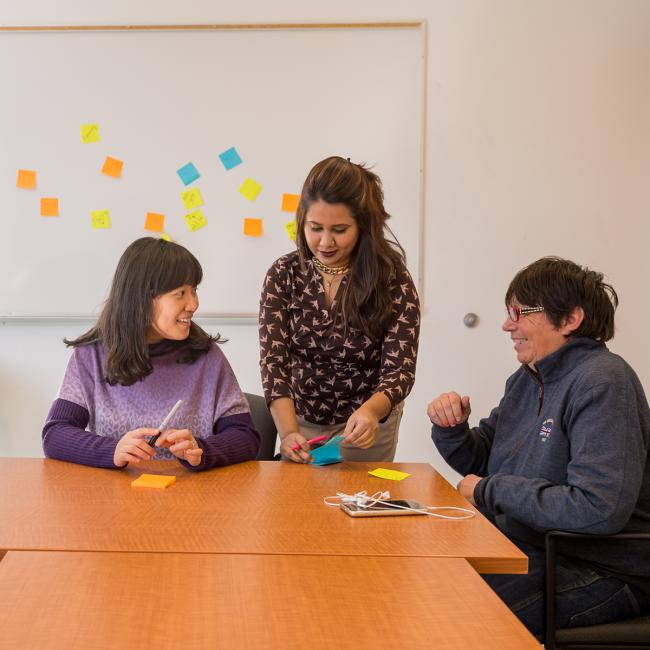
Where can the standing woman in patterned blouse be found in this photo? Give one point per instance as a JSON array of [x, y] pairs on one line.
[[339, 320]]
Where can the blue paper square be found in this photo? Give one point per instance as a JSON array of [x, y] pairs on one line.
[[230, 158], [329, 453], [188, 174]]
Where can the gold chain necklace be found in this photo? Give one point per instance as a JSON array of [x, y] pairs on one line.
[[330, 270]]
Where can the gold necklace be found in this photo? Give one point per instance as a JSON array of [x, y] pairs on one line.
[[330, 270]]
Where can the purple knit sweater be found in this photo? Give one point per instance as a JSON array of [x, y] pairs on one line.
[[90, 416]]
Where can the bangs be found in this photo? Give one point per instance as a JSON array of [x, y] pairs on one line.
[[177, 266]]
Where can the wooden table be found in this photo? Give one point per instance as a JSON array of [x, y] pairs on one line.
[[69, 601], [254, 508]]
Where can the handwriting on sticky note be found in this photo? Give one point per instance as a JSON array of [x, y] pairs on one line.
[[249, 189], [112, 167], [290, 202], [291, 229], [195, 220], [158, 481], [89, 133], [230, 158], [253, 227], [100, 219], [192, 198], [26, 179], [50, 207], [390, 474], [154, 222], [188, 173]]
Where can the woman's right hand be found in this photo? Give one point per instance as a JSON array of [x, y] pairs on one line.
[[449, 409], [302, 455], [132, 447]]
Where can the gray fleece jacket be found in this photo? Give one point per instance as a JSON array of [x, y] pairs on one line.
[[566, 449]]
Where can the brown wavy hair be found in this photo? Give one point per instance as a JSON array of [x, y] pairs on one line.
[[560, 286], [365, 303], [148, 268]]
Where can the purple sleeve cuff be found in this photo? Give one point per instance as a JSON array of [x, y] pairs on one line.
[[234, 440], [65, 437]]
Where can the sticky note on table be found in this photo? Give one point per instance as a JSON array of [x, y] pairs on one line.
[[112, 167], [290, 202], [50, 207], [292, 230], [192, 198], [249, 189], [188, 173], [100, 219], [26, 179], [153, 481], [89, 133], [154, 221], [230, 158], [253, 227], [195, 220], [390, 474]]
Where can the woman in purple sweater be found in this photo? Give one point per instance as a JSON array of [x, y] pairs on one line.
[[142, 356]]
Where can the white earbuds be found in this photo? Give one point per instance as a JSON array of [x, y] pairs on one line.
[[363, 500]]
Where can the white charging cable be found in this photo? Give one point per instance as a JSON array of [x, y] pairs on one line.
[[364, 500]]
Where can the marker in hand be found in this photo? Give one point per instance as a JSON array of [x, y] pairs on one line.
[[165, 422], [313, 441]]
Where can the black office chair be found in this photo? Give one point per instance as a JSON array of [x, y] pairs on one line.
[[628, 634], [264, 424]]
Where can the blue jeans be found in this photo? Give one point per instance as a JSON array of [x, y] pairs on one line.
[[583, 595]]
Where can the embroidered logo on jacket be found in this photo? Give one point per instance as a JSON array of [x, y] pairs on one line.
[[545, 431]]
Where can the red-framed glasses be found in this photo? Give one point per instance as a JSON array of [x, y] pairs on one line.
[[516, 312]]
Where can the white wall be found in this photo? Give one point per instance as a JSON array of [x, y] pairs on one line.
[[537, 143]]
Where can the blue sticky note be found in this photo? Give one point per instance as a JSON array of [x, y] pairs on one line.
[[329, 453], [189, 173], [230, 158]]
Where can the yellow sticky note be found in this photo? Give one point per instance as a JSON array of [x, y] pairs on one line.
[[49, 207], [154, 221], [249, 189], [253, 227], [26, 179], [112, 167], [292, 230], [153, 481], [89, 133], [192, 198], [290, 202], [100, 219], [390, 474], [195, 220], [166, 237]]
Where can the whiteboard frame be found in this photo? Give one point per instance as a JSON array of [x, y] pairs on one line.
[[246, 317]]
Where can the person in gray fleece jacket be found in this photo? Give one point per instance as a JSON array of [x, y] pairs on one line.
[[565, 449]]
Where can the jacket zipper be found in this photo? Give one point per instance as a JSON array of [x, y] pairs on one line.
[[540, 390]]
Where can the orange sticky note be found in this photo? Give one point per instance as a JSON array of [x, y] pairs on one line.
[[158, 481], [155, 222], [49, 207], [26, 179], [290, 202], [253, 227], [112, 167]]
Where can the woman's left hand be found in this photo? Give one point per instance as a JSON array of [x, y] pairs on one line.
[[361, 428], [182, 444]]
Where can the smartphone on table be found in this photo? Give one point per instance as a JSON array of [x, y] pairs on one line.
[[383, 510]]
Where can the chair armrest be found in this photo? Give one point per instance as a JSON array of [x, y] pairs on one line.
[[551, 540]]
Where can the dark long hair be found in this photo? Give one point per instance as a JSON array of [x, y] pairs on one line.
[[560, 286], [365, 303], [148, 268]]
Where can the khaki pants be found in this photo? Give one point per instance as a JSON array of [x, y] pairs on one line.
[[382, 450]]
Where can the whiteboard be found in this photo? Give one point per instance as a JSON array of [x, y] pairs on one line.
[[284, 98]]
